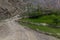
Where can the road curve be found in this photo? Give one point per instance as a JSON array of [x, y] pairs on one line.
[[14, 31]]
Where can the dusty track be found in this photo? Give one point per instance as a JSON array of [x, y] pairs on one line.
[[11, 30]]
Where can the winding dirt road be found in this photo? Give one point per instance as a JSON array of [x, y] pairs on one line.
[[11, 30]]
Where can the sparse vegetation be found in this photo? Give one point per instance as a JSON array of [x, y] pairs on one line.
[[52, 18]]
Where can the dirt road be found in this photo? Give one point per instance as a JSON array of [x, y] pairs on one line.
[[11, 30]]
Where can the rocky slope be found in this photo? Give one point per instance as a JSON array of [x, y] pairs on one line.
[[10, 8]]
